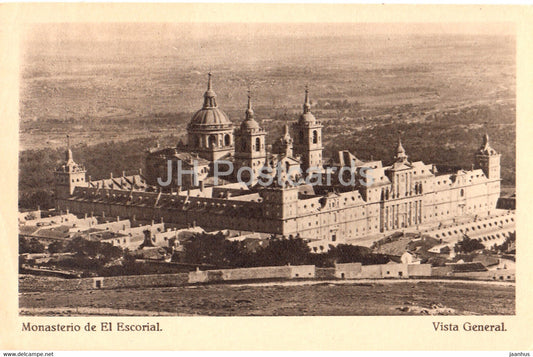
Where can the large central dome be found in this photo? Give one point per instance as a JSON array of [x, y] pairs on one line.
[[210, 114]]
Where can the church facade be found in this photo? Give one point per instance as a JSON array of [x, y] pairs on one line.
[[364, 198]]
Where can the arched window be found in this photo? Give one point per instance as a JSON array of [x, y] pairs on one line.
[[301, 136], [315, 136], [462, 192], [243, 145], [212, 141], [227, 140], [257, 144]]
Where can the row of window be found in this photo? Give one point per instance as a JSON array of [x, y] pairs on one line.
[[473, 228]]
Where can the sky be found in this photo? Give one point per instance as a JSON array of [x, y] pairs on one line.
[[199, 31]]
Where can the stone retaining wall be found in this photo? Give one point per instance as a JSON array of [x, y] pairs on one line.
[[112, 282]]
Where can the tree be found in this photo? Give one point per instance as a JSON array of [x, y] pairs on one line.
[[345, 253], [283, 251], [108, 252], [210, 249], [24, 246], [35, 246], [56, 247], [104, 252], [504, 247], [468, 245]]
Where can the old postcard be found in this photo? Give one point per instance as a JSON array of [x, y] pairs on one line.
[[188, 172]]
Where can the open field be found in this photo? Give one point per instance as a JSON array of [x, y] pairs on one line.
[[286, 299]]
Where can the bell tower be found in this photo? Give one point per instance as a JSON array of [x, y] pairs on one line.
[[68, 175], [250, 149], [308, 137]]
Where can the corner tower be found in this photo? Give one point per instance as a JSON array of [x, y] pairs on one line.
[[308, 137], [250, 148], [488, 160], [68, 175]]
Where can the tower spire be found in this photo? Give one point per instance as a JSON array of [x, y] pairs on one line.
[[286, 131], [486, 141], [307, 105], [249, 110], [485, 146], [209, 74], [68, 155], [400, 151]]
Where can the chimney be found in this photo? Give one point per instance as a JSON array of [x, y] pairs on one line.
[[162, 220], [193, 224], [201, 186], [118, 218], [140, 171], [90, 178], [111, 175], [103, 214], [133, 218], [67, 210], [85, 215], [152, 222], [123, 173], [178, 190]]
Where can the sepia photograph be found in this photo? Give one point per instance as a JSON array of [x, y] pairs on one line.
[[259, 169]]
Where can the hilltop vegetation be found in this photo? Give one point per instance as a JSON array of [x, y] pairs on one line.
[[140, 87], [447, 139]]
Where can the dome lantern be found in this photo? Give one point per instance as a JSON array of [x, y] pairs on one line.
[[210, 114], [249, 122], [210, 95]]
